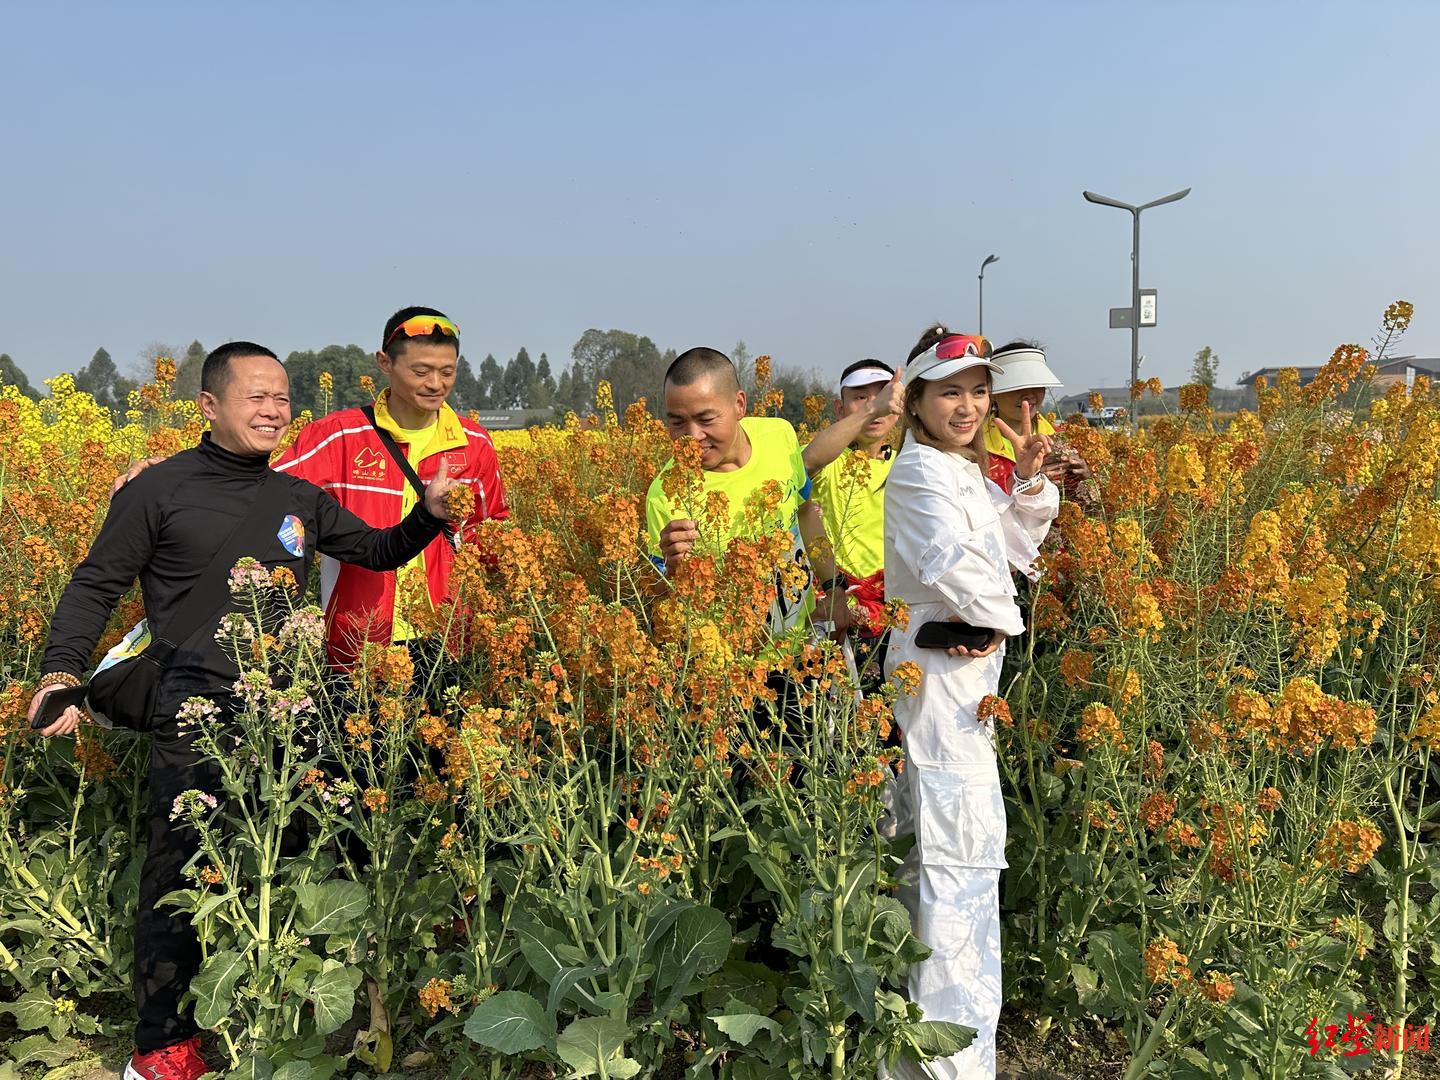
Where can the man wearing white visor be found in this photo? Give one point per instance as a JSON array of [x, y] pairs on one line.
[[851, 495], [951, 539], [1025, 380]]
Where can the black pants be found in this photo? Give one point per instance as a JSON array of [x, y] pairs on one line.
[[167, 949]]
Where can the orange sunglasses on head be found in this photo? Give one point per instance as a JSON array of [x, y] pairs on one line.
[[424, 326], [962, 345]]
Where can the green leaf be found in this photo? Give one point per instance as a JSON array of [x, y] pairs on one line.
[[333, 995], [294, 1070], [1087, 985], [662, 920], [214, 987], [565, 980], [1082, 867], [938, 1038], [892, 921], [755, 986], [331, 906], [256, 1067], [43, 1050], [698, 945], [32, 1010], [743, 1027], [540, 945], [622, 1068], [750, 1069], [511, 1023], [1115, 955], [211, 903], [857, 982], [589, 1041]]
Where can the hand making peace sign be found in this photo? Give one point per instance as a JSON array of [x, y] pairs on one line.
[[1030, 448]]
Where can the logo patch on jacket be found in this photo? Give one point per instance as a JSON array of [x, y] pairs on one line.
[[292, 535], [369, 464]]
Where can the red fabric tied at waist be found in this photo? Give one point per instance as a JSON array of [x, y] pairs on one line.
[[868, 593]]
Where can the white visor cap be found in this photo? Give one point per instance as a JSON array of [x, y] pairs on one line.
[[1025, 369], [866, 376]]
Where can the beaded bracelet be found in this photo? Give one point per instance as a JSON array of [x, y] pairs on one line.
[[57, 678]]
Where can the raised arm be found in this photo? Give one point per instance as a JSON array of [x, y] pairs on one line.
[[829, 443], [346, 537]]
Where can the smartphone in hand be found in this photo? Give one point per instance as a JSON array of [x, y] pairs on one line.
[[953, 635], [54, 704]]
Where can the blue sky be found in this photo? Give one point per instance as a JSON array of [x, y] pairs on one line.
[[819, 180]]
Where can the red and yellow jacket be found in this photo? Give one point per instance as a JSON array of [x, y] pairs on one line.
[[343, 454]]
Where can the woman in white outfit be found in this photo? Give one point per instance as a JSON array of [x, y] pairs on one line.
[[951, 539]]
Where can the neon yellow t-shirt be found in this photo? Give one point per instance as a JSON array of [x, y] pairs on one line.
[[854, 514], [774, 455], [410, 580]]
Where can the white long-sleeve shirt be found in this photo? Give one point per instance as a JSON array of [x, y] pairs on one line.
[[952, 536]]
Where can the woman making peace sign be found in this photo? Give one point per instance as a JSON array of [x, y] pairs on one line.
[[951, 538]]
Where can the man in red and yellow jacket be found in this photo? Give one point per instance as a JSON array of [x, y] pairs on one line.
[[345, 454]]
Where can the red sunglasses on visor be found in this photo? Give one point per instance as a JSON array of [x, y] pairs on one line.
[[957, 345], [424, 326]]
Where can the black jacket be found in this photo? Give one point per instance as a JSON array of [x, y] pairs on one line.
[[166, 525]]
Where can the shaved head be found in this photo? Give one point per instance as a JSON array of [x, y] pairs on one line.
[[693, 365]]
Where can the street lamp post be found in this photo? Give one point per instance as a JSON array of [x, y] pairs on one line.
[[1103, 200], [981, 318]]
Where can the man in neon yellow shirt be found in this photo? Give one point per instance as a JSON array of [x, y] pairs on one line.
[[851, 493], [871, 395], [739, 454]]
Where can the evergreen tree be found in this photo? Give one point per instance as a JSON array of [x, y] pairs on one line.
[[86, 380], [102, 380], [491, 382], [187, 373], [11, 375], [563, 391], [542, 389], [519, 374], [466, 394]]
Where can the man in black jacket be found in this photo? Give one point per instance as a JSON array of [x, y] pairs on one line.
[[165, 527]]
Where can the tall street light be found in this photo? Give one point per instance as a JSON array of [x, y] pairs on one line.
[[1134, 272], [981, 319]]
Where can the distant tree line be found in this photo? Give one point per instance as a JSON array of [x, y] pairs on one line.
[[632, 364]]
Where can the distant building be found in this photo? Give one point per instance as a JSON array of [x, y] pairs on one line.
[[1399, 370], [507, 419], [1270, 374], [1387, 374]]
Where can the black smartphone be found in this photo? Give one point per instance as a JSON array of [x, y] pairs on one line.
[[953, 635], [56, 702]]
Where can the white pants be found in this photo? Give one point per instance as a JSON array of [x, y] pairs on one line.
[[957, 907], [950, 791]]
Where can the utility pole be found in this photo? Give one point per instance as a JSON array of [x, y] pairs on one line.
[[1132, 318], [981, 317]]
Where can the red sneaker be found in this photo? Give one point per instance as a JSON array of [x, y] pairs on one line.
[[179, 1062]]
